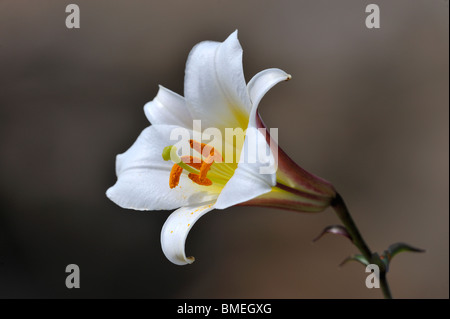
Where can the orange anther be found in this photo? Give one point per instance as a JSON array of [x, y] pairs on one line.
[[206, 150], [196, 179], [192, 161], [175, 174]]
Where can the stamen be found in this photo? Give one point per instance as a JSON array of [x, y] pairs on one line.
[[206, 165], [175, 174], [170, 153], [192, 164], [196, 179], [192, 161], [206, 149]]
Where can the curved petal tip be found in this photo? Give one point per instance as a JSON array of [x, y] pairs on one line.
[[262, 82], [176, 229]]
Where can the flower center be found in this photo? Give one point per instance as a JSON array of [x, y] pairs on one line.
[[197, 167]]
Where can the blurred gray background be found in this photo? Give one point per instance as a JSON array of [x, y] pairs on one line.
[[366, 110]]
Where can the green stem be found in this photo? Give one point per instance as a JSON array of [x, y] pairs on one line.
[[344, 215], [385, 286]]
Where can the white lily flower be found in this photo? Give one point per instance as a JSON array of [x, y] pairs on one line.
[[215, 92]]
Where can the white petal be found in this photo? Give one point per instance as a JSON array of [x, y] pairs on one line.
[[168, 108], [143, 176], [176, 229], [255, 174], [248, 180], [214, 85], [260, 84]]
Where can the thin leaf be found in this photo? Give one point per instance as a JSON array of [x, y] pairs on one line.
[[335, 230], [396, 248], [358, 258]]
